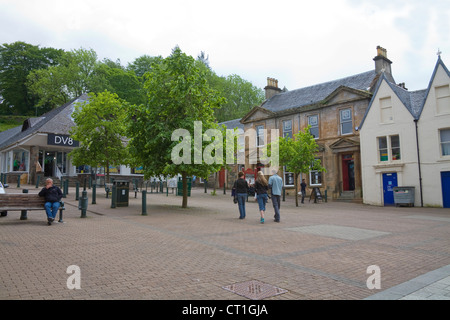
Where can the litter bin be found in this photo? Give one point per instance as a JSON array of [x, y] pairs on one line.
[[404, 196], [180, 186], [122, 193]]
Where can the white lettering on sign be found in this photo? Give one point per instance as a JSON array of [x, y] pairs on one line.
[[63, 140]]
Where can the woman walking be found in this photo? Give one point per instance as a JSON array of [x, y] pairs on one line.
[[261, 187]]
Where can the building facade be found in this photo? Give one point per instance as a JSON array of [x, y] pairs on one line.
[[333, 110], [405, 142]]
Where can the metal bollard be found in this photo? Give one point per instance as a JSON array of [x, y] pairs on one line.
[[284, 194], [94, 194], [83, 204], [77, 190], [23, 213], [18, 181], [144, 202], [37, 181]]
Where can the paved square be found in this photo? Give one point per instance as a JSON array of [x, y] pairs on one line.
[[340, 232], [317, 252], [255, 290]]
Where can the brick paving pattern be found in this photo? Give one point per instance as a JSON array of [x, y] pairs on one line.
[[317, 252]]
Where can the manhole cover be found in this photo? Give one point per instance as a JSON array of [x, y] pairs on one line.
[[255, 290]]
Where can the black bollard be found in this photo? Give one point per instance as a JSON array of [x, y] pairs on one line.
[[94, 194], [144, 202], [23, 213]]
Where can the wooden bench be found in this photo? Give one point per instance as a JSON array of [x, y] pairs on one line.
[[24, 202]]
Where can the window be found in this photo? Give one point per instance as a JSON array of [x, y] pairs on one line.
[[20, 160], [445, 142], [313, 121], [389, 148], [259, 136], [443, 99], [382, 149], [386, 110], [287, 128], [315, 178], [288, 178], [395, 147], [346, 121]]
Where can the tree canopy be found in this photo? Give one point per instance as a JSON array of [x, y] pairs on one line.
[[34, 80], [179, 98]]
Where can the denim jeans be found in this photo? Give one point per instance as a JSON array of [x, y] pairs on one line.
[[242, 197], [51, 208], [262, 200], [276, 206]]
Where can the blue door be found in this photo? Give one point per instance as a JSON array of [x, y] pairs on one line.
[[389, 182], [445, 180]]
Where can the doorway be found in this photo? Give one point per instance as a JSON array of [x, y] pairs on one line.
[[348, 172], [445, 181], [49, 163], [389, 182]]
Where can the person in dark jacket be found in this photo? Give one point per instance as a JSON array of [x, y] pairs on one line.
[[52, 195], [241, 187]]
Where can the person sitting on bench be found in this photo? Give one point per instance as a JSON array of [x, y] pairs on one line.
[[53, 196]]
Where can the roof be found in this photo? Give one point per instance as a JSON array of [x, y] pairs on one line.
[[414, 101], [316, 93], [232, 124], [56, 121]]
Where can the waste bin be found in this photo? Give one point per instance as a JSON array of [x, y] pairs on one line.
[[122, 193], [180, 186], [404, 196]]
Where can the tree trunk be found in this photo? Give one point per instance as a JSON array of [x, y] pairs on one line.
[[185, 189]]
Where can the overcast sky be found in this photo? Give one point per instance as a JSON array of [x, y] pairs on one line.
[[300, 43]]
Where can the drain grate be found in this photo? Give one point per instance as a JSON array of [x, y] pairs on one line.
[[254, 290]]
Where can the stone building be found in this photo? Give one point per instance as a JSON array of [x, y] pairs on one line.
[[334, 109]]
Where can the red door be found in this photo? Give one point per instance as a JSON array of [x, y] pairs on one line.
[[221, 177]]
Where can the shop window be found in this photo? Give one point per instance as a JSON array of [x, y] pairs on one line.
[[288, 178], [315, 178], [445, 142], [20, 160]]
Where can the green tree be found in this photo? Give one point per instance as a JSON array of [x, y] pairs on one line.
[[143, 64], [114, 78], [178, 96], [100, 128], [299, 155], [17, 60], [61, 83]]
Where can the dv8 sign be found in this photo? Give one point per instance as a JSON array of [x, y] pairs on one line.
[[61, 140]]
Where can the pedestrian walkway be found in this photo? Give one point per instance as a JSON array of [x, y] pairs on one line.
[[319, 251]]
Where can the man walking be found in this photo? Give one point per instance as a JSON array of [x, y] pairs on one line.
[[276, 184], [303, 186]]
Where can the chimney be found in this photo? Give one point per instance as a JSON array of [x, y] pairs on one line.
[[382, 63], [272, 88]]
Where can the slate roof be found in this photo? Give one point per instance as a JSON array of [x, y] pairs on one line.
[[316, 93], [56, 121], [232, 124]]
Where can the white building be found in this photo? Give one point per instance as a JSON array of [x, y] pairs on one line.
[[405, 142]]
